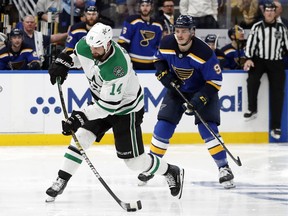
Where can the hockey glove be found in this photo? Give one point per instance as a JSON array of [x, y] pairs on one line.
[[166, 78], [76, 120], [60, 68], [198, 101]]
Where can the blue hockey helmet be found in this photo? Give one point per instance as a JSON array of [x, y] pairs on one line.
[[211, 38], [184, 21]]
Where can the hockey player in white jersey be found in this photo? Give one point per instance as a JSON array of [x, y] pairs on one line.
[[118, 104]]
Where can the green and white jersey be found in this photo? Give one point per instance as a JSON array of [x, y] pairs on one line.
[[113, 83]]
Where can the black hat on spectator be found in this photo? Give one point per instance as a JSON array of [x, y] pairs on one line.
[[91, 9], [211, 38]]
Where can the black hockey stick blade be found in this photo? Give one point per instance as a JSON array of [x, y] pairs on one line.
[[130, 207], [237, 161]]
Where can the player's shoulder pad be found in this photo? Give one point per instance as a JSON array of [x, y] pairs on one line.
[[4, 52], [133, 18], [82, 48], [201, 49], [168, 42], [78, 25]]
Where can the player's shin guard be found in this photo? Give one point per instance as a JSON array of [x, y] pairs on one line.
[[71, 162]]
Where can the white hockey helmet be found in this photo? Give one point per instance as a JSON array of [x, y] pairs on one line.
[[99, 35]]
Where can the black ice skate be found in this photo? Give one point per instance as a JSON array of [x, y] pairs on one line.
[[56, 189], [226, 177], [175, 177]]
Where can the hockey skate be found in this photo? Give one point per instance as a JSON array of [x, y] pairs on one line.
[[175, 178], [144, 177], [226, 177], [56, 189]]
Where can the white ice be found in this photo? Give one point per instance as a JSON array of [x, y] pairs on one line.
[[262, 183]]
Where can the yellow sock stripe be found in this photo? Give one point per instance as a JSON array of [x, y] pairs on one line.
[[216, 149], [157, 150]]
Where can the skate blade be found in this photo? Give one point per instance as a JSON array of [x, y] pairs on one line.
[[50, 199], [251, 118], [228, 184], [142, 183], [182, 181]]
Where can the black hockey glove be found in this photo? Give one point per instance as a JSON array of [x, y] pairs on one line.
[[60, 68], [76, 120], [198, 101], [166, 78]]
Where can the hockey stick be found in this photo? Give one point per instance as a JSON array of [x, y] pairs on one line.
[[237, 161], [130, 207]]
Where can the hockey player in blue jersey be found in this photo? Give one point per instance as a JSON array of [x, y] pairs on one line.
[[234, 52], [190, 63], [141, 36], [17, 55]]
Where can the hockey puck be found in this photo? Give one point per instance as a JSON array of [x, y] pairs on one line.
[[132, 210]]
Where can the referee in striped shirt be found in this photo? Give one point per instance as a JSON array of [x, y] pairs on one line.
[[265, 46]]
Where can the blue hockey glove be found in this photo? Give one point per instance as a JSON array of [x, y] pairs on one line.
[[76, 120], [60, 68], [166, 78], [198, 101]]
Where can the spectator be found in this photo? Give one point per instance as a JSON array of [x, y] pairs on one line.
[[264, 51], [65, 15], [140, 36], [212, 41], [234, 52], [204, 12], [37, 40], [45, 6], [16, 55], [3, 40], [279, 11], [166, 16], [249, 11], [132, 7], [122, 10]]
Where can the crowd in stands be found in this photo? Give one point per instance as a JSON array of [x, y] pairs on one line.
[[51, 30]]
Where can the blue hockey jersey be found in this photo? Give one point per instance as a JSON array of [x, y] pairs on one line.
[[21, 60], [197, 68], [141, 39]]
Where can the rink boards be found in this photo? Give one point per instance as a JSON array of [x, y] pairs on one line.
[[30, 108]]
